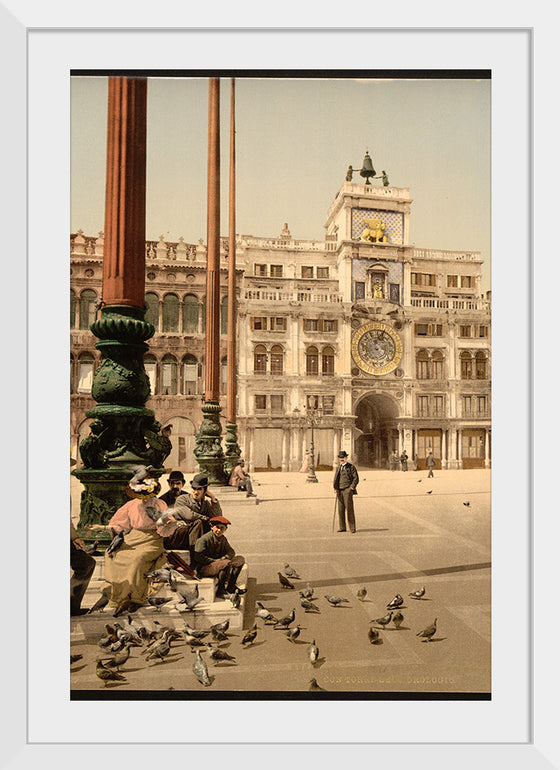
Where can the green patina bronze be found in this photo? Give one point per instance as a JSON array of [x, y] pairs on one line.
[[208, 449], [233, 450], [123, 433]]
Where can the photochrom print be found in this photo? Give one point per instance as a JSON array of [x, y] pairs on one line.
[[280, 427]]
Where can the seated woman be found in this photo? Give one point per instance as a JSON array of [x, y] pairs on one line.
[[142, 549]]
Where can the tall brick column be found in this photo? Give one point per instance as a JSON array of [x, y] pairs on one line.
[[208, 449]]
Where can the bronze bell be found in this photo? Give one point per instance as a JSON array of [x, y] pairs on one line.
[[367, 170]]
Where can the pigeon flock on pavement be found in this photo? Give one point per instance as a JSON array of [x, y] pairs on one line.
[[156, 644]]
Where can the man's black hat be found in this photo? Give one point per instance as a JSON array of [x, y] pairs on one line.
[[199, 481], [176, 476]]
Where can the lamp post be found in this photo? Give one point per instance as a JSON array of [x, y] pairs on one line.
[[313, 415]]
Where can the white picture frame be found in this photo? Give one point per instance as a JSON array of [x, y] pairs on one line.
[[536, 745]]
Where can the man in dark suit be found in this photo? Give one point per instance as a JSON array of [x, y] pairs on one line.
[[345, 482]]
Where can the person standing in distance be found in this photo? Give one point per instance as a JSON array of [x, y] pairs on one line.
[[430, 462], [345, 482]]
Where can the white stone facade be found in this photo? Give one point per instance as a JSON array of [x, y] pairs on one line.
[[390, 342]]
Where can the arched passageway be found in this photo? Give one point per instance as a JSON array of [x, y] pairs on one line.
[[376, 429]]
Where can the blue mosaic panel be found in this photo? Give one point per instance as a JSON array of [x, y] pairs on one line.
[[360, 266], [393, 221]]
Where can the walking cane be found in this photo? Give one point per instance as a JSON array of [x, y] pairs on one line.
[[334, 514]]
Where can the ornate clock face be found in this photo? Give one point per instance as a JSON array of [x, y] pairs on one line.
[[376, 348]]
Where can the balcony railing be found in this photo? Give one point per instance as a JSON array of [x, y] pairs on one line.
[[440, 303], [266, 295]]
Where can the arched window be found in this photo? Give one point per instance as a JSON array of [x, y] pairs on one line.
[[190, 375], [203, 315], [71, 373], [422, 365], [259, 360], [169, 375], [150, 366], [86, 364], [88, 301], [72, 309], [170, 313], [312, 361], [152, 309], [224, 316], [277, 360], [223, 375], [481, 366], [190, 314], [327, 362], [466, 365], [437, 365]]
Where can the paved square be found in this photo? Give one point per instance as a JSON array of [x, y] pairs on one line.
[[406, 539]]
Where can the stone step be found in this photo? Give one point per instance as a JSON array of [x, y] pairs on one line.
[[209, 611]]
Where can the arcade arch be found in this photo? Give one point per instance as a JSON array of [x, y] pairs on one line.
[[377, 433]]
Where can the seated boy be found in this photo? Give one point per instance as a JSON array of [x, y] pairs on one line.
[[213, 556]]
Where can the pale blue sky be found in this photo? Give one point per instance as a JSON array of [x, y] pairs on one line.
[[294, 142]]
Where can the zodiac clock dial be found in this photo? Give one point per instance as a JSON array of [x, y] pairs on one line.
[[376, 348]]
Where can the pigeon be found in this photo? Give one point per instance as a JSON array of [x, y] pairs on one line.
[[249, 637], [313, 653], [309, 606], [398, 601], [194, 632], [200, 670], [141, 472], [158, 601], [136, 627], [335, 600], [92, 548], [223, 627], [235, 598], [385, 620], [75, 658], [373, 636], [419, 593], [100, 603], [115, 544], [193, 641], [219, 636], [107, 674], [398, 618], [286, 620], [429, 492], [217, 654], [160, 648], [467, 504], [290, 572], [314, 687], [361, 593], [284, 582], [111, 632], [419, 481], [293, 633], [163, 575], [119, 659], [429, 631], [189, 603], [126, 635], [265, 614], [126, 605], [307, 593]]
